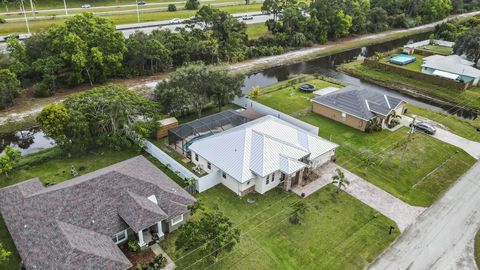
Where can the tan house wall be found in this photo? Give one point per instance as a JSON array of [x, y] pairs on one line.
[[349, 120]]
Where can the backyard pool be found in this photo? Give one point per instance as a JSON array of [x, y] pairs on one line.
[[402, 59]]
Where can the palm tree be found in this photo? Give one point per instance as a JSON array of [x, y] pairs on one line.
[[339, 180]]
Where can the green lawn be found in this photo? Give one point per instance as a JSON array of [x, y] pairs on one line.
[[477, 248], [438, 49], [469, 98], [430, 166], [337, 233], [255, 31], [415, 66], [38, 25], [462, 127]]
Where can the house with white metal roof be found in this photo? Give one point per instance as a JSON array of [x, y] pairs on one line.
[[260, 155], [452, 67]]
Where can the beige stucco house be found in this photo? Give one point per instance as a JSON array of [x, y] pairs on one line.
[[357, 107]]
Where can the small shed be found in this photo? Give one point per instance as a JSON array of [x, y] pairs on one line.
[[164, 125]]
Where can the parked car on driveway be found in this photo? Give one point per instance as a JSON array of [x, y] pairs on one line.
[[425, 128], [175, 21], [247, 17], [86, 6]]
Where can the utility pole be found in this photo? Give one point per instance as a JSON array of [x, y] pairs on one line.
[[410, 133], [65, 6], [33, 8], [22, 6], [138, 14]]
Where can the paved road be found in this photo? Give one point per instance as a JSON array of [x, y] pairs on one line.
[[441, 239], [471, 147], [402, 213]]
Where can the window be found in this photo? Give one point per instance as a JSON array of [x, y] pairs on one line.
[[224, 175], [196, 156], [177, 219], [209, 166], [273, 177], [282, 177], [268, 179], [120, 237]]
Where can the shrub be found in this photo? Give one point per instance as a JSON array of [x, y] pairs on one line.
[[172, 7], [133, 246], [192, 4], [2, 20], [255, 92], [42, 90]]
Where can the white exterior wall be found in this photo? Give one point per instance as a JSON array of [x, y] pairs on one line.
[[231, 183], [261, 185], [322, 159]]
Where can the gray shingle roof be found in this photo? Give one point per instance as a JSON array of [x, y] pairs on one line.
[[362, 103], [453, 64], [69, 225]]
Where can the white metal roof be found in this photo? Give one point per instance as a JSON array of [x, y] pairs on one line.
[[444, 74], [451, 64], [261, 147], [326, 90]]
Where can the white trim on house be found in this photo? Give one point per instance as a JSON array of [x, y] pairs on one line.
[[176, 220], [117, 239]]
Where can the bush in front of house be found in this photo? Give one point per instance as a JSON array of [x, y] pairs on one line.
[[159, 262]]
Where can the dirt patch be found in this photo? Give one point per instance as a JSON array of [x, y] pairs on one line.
[[142, 257]]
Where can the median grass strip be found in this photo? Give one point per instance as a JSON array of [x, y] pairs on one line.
[[377, 156], [338, 232], [39, 25], [469, 98]]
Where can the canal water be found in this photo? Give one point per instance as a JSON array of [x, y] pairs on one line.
[[326, 66], [33, 140]]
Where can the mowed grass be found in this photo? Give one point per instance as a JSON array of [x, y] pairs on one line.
[[257, 30], [443, 50], [460, 126], [415, 66], [39, 25], [469, 98], [338, 232], [477, 248], [429, 166]]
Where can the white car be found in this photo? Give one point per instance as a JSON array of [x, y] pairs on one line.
[[86, 6], [175, 21], [247, 17]]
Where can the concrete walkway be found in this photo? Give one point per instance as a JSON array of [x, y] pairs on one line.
[[157, 250], [397, 210], [442, 237], [471, 147]]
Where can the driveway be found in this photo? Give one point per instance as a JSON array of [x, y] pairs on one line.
[[471, 147], [442, 237], [397, 210]]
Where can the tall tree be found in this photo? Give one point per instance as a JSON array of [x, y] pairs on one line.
[[468, 43], [224, 85], [277, 6], [211, 234], [9, 87], [97, 117]]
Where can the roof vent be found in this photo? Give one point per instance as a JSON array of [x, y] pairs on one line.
[[153, 199], [93, 221]]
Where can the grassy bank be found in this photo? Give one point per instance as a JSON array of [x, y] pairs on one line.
[[337, 232], [377, 156], [477, 249], [255, 31], [469, 98], [462, 127]]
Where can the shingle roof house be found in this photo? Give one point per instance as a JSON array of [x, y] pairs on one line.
[[70, 225], [259, 154], [355, 107], [452, 67]]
